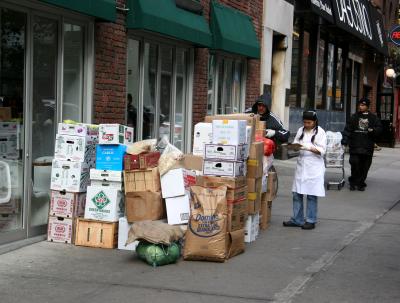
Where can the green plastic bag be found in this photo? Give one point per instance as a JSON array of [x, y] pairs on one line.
[[158, 254]]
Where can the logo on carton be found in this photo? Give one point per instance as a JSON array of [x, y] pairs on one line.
[[108, 137], [60, 229], [62, 203], [205, 226], [100, 200]]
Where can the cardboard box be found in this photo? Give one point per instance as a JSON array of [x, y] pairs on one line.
[[79, 129], [224, 168], [142, 180], [236, 193], [254, 185], [9, 146], [110, 157], [193, 162], [73, 148], [249, 140], [237, 214], [272, 186], [109, 184], [251, 228], [178, 209], [60, 230], [69, 176], [225, 152], [176, 181], [96, 233], [123, 230], [202, 136], [66, 204], [261, 125], [257, 151], [211, 181], [144, 205], [104, 204], [254, 202], [106, 175], [141, 161], [236, 244], [265, 214], [5, 114], [115, 134], [230, 132], [254, 169]]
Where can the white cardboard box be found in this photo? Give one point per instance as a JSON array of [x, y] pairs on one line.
[[80, 130], [178, 209], [123, 230], [110, 184], [224, 168], [104, 204], [232, 132], [106, 175], [248, 229], [73, 148], [202, 136], [69, 176], [60, 230], [66, 204], [225, 152], [176, 181], [9, 146], [115, 134]]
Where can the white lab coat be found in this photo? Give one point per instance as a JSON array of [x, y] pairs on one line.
[[310, 169]]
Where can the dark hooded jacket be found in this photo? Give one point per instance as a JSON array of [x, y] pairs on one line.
[[272, 121], [357, 136]]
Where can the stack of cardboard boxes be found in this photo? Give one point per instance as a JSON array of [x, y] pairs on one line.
[[74, 155], [104, 200]]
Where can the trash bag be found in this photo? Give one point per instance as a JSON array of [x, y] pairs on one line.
[[158, 254], [170, 158], [269, 147]]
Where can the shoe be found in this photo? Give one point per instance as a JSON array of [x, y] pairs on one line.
[[308, 226], [361, 188], [290, 224], [352, 187]]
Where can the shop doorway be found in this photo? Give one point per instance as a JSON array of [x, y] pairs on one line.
[[384, 110]]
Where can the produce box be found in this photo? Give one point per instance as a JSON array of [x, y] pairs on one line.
[[224, 168], [178, 209], [60, 230], [79, 129], [67, 204], [115, 134], [237, 214], [106, 175], [225, 152], [104, 204], [73, 148], [176, 181], [69, 176], [229, 132], [142, 180], [141, 161], [109, 184], [144, 205], [202, 136], [96, 233], [110, 157]]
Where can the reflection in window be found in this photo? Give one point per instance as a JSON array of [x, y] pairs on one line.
[[165, 93], [149, 91], [339, 97], [304, 70], [181, 64], [295, 68], [133, 83], [319, 81], [329, 82]]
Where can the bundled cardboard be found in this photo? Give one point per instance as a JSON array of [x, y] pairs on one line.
[[115, 134], [202, 136], [141, 161], [254, 202], [69, 176], [176, 181], [73, 148], [104, 204], [142, 180], [60, 230], [272, 186], [254, 185], [67, 204], [229, 132], [254, 169], [257, 151], [178, 209], [224, 168], [265, 213], [144, 205], [225, 152], [110, 157]]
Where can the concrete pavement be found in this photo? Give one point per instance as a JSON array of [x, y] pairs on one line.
[[352, 256]]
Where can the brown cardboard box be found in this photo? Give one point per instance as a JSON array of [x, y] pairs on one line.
[[236, 194], [261, 125], [230, 183], [93, 233], [254, 185], [256, 151], [272, 186], [237, 214], [254, 169], [265, 214], [141, 161], [5, 113], [193, 162], [144, 205], [142, 180], [254, 203], [236, 244]]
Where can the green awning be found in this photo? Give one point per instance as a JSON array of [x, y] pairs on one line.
[[233, 31], [102, 9], [164, 17]]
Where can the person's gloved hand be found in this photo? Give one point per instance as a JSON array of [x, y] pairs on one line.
[[270, 133]]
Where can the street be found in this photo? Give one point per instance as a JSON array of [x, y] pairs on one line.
[[351, 256]]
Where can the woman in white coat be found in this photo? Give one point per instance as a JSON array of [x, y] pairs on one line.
[[310, 172]]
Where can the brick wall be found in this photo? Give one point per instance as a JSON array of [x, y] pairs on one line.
[[110, 70]]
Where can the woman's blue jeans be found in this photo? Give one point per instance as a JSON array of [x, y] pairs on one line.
[[298, 209]]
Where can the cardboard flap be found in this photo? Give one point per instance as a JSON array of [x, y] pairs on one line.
[[236, 243]]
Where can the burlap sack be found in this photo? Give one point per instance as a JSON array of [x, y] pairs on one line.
[[206, 237]]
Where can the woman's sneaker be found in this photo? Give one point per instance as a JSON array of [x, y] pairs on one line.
[[308, 226], [290, 223]]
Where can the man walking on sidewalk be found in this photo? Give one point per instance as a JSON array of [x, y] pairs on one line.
[[360, 134]]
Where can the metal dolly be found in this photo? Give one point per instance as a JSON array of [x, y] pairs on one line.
[[336, 163]]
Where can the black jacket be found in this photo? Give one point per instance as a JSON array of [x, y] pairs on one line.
[[273, 122], [361, 132]]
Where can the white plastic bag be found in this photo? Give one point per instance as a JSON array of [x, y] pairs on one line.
[[171, 157]]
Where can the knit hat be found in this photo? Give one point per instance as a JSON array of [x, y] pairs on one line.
[[310, 115], [364, 101]]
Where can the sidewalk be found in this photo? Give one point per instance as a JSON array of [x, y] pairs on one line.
[[351, 256]]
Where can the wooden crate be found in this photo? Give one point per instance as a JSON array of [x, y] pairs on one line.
[[93, 233], [142, 180]]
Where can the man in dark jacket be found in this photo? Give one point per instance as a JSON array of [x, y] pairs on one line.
[[360, 134], [274, 126]]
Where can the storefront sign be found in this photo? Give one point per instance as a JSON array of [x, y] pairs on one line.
[[395, 35], [323, 8]]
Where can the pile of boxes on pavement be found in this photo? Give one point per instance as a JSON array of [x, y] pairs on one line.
[[217, 191]]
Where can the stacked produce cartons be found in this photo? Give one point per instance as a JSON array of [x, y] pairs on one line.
[[104, 200], [74, 155]]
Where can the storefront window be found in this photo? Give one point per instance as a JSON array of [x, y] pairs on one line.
[[133, 83], [305, 69], [339, 97], [225, 85], [293, 102], [319, 81], [149, 91], [330, 72], [181, 87], [165, 94]]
